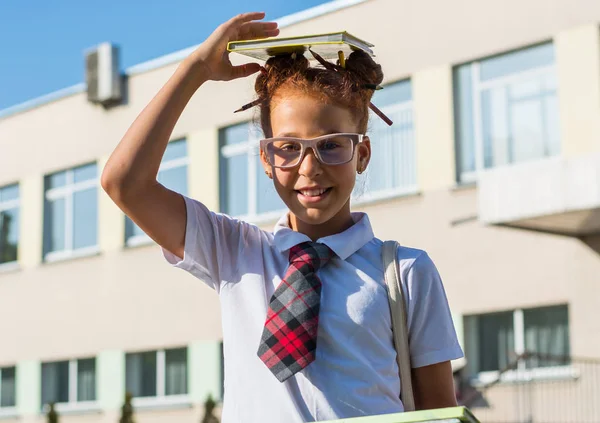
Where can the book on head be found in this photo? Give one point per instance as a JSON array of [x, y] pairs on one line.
[[326, 45]]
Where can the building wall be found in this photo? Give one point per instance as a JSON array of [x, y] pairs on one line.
[[128, 299], [413, 37]]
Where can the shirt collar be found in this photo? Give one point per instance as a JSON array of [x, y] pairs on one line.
[[343, 244]]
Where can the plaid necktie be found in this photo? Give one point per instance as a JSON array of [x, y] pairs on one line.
[[289, 339]]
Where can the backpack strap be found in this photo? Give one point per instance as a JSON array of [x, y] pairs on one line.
[[399, 321]]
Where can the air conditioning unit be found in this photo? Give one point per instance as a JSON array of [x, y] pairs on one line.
[[102, 75]]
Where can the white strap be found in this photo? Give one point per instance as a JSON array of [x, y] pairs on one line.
[[399, 319]]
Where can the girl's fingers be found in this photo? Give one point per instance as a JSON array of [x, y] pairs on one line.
[[268, 25], [232, 26], [272, 33], [244, 70], [260, 34], [254, 30], [256, 27], [238, 20]]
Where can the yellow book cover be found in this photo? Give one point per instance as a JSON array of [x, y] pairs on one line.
[[327, 45], [442, 415]]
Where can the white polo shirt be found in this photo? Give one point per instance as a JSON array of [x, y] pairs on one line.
[[355, 371]]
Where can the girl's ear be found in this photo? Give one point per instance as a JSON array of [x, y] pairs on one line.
[[363, 153], [265, 163]]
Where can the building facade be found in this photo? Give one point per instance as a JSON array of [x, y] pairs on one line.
[[491, 166]]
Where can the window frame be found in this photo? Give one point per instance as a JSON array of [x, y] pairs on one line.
[[251, 150], [72, 406], [9, 205], [144, 239], [67, 192], [477, 87], [522, 372], [378, 195], [161, 399]]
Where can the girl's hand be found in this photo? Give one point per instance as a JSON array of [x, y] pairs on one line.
[[210, 61]]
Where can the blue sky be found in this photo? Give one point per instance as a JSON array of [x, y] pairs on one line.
[[42, 42]]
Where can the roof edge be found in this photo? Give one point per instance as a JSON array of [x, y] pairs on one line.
[[45, 99]]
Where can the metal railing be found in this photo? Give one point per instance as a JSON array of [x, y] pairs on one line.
[[537, 388]]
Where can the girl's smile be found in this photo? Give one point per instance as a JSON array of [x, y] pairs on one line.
[[313, 194]]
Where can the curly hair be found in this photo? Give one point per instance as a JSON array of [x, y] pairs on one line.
[[349, 87]]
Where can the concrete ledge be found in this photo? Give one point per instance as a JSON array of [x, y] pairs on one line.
[[555, 195]]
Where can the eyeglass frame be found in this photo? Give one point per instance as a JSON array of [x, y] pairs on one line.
[[311, 143]]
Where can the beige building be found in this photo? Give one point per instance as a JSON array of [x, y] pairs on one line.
[[492, 166]]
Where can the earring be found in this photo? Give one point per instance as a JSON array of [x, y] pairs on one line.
[[267, 173], [359, 171]]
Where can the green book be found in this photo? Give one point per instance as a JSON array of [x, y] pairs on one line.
[[442, 415], [326, 45]]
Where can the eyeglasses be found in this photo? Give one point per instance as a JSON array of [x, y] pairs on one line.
[[331, 149]]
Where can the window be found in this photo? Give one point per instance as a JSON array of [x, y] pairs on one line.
[[71, 213], [9, 223], [392, 169], [8, 387], [68, 382], [173, 175], [506, 110], [495, 338], [493, 341], [157, 374], [547, 331], [245, 189]]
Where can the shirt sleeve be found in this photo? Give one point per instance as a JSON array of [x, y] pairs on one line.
[[213, 242], [431, 332]]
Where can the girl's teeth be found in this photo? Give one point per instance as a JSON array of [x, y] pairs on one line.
[[313, 193]]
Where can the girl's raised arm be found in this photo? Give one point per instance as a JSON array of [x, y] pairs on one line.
[[129, 177]]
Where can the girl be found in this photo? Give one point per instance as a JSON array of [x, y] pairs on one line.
[[306, 321]]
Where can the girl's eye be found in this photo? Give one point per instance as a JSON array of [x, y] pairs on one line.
[[286, 146], [289, 147], [329, 145]]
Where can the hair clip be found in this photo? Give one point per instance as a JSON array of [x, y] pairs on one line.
[[249, 105], [380, 114], [341, 59], [327, 65], [374, 87], [337, 68]]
